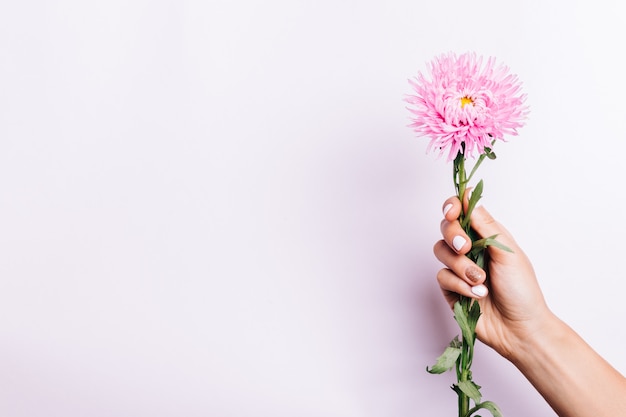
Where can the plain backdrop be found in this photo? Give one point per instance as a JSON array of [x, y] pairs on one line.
[[215, 208]]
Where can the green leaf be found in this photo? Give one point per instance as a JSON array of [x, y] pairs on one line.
[[446, 361], [491, 241], [474, 314], [478, 258], [490, 154], [474, 197], [456, 343], [491, 407], [470, 389], [461, 318], [481, 244]]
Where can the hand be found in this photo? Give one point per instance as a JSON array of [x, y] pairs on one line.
[[516, 322], [512, 305]]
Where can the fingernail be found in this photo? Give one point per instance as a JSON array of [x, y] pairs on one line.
[[479, 290], [458, 242], [473, 273], [447, 208]]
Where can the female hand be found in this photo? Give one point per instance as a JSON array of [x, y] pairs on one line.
[[512, 305], [516, 322]]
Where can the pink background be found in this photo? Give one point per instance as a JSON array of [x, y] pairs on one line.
[[216, 209]]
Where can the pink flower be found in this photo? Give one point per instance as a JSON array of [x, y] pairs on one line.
[[466, 103]]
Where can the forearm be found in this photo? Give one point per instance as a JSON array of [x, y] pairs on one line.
[[569, 374]]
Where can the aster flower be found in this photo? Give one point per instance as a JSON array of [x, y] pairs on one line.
[[465, 108], [466, 105]]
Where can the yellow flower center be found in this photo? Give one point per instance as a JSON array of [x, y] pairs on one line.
[[466, 100]]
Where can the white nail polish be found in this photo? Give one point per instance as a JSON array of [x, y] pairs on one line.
[[447, 208], [458, 242], [479, 290]]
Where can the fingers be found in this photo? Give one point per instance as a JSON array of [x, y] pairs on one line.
[[452, 287], [481, 221], [451, 209], [462, 276], [451, 230]]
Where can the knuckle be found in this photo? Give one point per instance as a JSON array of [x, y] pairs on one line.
[[438, 246], [441, 275]]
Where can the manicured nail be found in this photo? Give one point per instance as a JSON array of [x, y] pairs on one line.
[[447, 208], [479, 290], [473, 273], [458, 242]]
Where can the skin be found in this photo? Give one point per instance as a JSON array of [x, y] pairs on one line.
[[518, 324]]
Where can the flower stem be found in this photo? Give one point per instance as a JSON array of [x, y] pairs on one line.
[[460, 182], [480, 160], [465, 359], [467, 310]]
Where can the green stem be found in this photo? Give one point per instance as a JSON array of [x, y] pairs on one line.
[[487, 405], [460, 181], [471, 411], [465, 359], [480, 160]]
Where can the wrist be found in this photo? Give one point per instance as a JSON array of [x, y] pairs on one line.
[[531, 338], [532, 346]]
